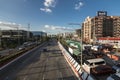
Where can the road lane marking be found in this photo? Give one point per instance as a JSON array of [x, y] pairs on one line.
[[61, 75], [25, 78], [43, 78]]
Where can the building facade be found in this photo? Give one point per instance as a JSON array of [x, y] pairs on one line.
[[116, 26], [101, 25], [15, 34], [110, 40], [78, 32], [86, 29], [13, 38], [39, 35]]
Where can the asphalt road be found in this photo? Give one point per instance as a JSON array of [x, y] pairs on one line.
[[41, 65]]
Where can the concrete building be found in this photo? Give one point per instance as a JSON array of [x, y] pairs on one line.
[[106, 25], [78, 32], [115, 41], [13, 37], [14, 34], [86, 29], [116, 26], [101, 25], [39, 35]]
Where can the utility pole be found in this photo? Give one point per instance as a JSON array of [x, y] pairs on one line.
[[81, 57], [28, 32], [0, 38], [18, 36], [94, 34]]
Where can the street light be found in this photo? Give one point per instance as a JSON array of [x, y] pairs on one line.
[[28, 31], [0, 37], [80, 42]]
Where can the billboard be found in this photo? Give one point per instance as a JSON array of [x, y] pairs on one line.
[[102, 13]]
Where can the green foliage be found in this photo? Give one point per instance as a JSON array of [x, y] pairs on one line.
[[63, 42]]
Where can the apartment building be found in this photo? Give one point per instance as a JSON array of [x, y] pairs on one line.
[[101, 25], [86, 29], [116, 26]]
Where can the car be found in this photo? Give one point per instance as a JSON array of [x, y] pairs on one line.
[[21, 48], [115, 76], [45, 50], [116, 67], [91, 63], [102, 69]]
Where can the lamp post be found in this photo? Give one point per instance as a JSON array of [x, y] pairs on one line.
[[81, 47], [81, 57], [0, 37], [28, 32]]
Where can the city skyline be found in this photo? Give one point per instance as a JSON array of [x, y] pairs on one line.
[[53, 16]]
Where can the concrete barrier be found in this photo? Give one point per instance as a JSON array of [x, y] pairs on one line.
[[70, 60], [78, 70], [78, 67], [75, 65]]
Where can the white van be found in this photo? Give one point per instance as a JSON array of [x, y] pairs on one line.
[[92, 63]]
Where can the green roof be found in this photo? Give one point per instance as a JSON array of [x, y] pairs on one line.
[[76, 52]]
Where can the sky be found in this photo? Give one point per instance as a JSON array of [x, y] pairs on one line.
[[52, 16]]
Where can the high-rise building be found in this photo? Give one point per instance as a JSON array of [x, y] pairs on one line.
[[101, 25], [86, 29], [116, 26]]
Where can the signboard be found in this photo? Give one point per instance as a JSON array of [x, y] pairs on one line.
[[102, 13]]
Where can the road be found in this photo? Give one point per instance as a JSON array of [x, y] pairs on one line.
[[41, 65]]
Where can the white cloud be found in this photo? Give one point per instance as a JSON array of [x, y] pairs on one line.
[[48, 4], [79, 5], [51, 27], [46, 9], [46, 26], [9, 25], [43, 30]]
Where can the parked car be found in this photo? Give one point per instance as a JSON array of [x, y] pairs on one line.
[[21, 48], [102, 69], [92, 63], [115, 76], [45, 49], [116, 67]]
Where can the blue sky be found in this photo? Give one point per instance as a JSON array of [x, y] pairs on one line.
[[53, 16]]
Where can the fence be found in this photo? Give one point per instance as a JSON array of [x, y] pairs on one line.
[[76, 67]]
